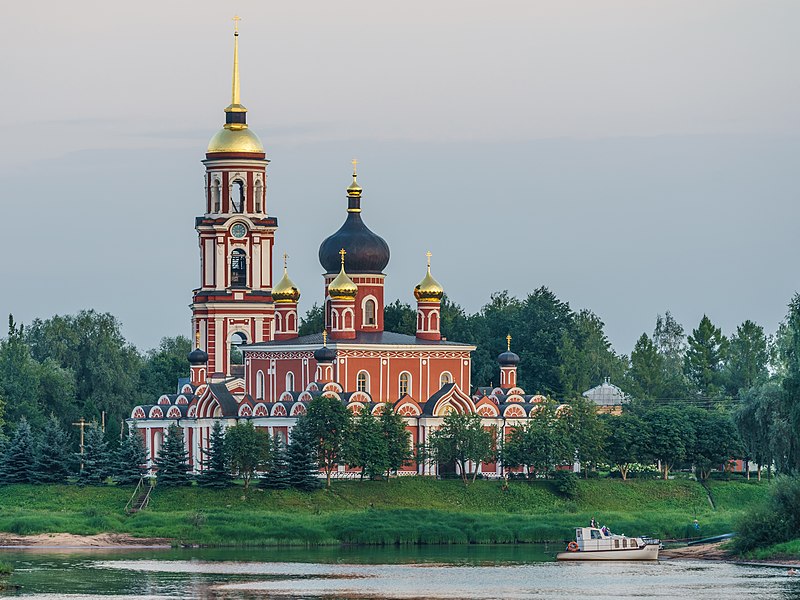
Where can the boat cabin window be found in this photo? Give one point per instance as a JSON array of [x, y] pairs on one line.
[[596, 535], [616, 543], [624, 542]]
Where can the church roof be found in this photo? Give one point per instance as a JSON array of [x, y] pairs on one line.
[[606, 394], [226, 400], [387, 338]]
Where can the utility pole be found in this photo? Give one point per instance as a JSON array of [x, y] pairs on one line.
[[82, 424]]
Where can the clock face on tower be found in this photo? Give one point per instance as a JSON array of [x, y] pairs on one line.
[[238, 230]]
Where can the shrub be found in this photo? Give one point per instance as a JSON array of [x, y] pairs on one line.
[[566, 484]]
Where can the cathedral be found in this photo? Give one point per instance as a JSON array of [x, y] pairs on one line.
[[250, 362]]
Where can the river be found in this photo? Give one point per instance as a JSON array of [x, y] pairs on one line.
[[452, 572]]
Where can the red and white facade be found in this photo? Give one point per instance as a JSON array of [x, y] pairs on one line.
[[354, 360]]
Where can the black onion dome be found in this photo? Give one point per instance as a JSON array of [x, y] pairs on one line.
[[367, 252], [198, 357], [324, 355], [508, 359]]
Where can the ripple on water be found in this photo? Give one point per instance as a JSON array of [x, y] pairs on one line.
[[667, 580]]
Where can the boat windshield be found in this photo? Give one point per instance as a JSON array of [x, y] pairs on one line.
[[596, 535]]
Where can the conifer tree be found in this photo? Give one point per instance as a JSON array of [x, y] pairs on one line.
[[172, 460], [96, 457], [277, 475], [52, 463], [216, 465], [130, 459], [303, 466], [20, 455]]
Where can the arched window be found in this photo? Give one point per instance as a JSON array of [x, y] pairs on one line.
[[238, 268], [237, 196], [362, 382], [259, 195], [433, 321], [260, 385], [405, 384], [445, 378], [290, 382], [237, 340], [369, 312], [215, 195]]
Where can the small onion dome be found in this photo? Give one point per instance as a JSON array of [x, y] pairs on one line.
[[342, 287], [324, 355], [198, 357], [508, 359], [286, 290], [428, 288]]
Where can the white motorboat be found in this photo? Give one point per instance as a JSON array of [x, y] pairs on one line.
[[592, 543]]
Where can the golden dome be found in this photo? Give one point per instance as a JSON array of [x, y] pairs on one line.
[[342, 287], [241, 139], [428, 288], [286, 291]]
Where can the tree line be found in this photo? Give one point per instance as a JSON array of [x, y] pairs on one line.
[[80, 366]]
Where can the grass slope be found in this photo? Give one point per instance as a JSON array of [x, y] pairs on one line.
[[405, 510]]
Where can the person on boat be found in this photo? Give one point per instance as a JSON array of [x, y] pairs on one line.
[[606, 532], [592, 523]]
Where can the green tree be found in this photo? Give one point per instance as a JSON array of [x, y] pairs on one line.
[[790, 355], [705, 358], [302, 457], [587, 433], [328, 421], [462, 439], [365, 446], [163, 366], [670, 340], [762, 424], [540, 444], [748, 358], [670, 435], [586, 355], [30, 388], [96, 457], [216, 464], [400, 318], [313, 321], [647, 370], [130, 458], [247, 449], [106, 367], [397, 439], [172, 460], [52, 463], [277, 476], [626, 434], [715, 440], [20, 455]]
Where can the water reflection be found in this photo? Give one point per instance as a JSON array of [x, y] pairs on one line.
[[470, 572]]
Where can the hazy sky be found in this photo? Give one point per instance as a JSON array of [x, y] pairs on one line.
[[634, 156]]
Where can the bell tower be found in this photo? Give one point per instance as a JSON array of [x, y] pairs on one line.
[[234, 304]]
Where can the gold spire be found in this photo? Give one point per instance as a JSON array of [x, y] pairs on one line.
[[235, 136], [197, 339], [428, 289], [286, 291], [342, 287], [354, 191], [236, 105], [508, 340], [324, 337]]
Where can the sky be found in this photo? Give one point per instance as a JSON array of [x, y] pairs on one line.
[[634, 156]]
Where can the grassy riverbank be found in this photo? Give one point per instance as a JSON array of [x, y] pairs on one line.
[[406, 510]]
